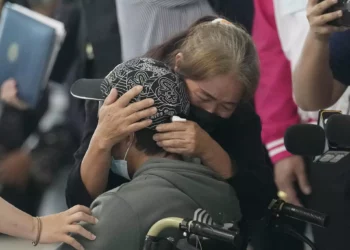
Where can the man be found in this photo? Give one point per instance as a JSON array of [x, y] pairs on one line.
[[162, 184]]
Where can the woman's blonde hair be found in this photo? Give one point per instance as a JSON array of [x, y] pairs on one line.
[[213, 47]]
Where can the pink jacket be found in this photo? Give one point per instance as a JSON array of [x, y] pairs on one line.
[[274, 98]]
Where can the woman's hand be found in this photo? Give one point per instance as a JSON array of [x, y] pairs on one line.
[[56, 227], [184, 138], [318, 19], [189, 139], [118, 118], [9, 95]]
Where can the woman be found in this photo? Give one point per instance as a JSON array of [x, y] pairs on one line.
[[49, 229], [220, 66]]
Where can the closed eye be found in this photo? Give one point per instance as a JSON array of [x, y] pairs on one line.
[[203, 97], [229, 106]]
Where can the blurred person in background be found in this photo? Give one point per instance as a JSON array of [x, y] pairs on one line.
[[275, 105], [49, 229], [286, 26], [42, 140], [321, 76], [155, 21], [222, 120]]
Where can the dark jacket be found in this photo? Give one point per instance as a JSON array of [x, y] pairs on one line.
[[240, 137], [127, 213]]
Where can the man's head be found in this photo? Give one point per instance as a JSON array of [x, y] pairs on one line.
[[159, 82]]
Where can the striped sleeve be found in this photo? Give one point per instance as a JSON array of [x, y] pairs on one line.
[[273, 100]]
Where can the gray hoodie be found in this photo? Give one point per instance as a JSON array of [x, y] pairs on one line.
[[161, 188]]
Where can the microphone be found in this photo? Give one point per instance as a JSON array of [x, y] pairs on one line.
[[338, 131], [311, 140], [305, 140]]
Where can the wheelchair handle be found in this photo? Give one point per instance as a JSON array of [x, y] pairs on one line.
[[211, 232], [281, 208], [191, 227]]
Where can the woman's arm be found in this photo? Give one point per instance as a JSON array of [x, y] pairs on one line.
[[54, 228], [76, 191], [117, 119], [216, 158], [16, 223], [253, 182]]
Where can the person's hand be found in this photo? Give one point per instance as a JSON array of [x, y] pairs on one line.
[[56, 227], [118, 118], [287, 172], [9, 95], [15, 169], [184, 138], [318, 19]]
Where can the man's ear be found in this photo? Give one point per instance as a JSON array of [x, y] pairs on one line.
[[120, 149], [178, 59]]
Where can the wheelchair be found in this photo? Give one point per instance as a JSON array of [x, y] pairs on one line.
[[198, 235]]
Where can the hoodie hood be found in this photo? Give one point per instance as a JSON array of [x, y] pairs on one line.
[[199, 183]]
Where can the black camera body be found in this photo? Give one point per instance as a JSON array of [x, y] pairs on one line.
[[343, 21]]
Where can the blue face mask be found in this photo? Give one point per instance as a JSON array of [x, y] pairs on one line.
[[120, 167]]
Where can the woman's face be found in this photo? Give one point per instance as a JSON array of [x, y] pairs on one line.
[[219, 95]]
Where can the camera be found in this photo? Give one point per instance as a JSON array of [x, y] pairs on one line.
[[344, 20]]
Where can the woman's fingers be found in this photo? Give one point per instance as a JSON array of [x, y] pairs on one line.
[[135, 117], [137, 106], [134, 127], [72, 242], [77, 229], [324, 19], [112, 97], [174, 126], [168, 136], [321, 7], [312, 3], [125, 99], [79, 208], [176, 143], [81, 216]]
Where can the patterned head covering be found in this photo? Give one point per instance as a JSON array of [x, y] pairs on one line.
[[159, 82]]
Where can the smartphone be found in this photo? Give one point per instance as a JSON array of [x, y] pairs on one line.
[[343, 21]]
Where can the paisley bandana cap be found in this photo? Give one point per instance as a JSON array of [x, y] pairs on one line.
[[159, 82]]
